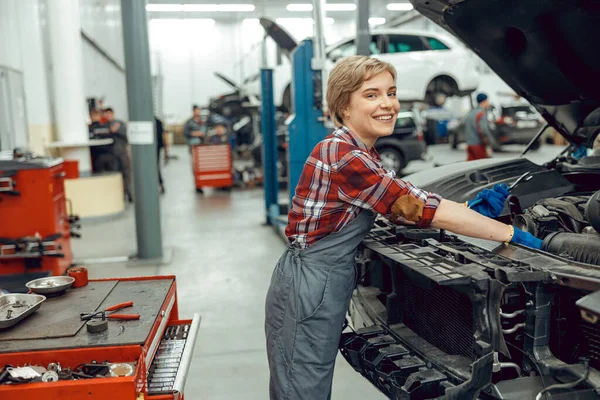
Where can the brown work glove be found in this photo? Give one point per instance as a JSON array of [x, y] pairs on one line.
[[407, 207]]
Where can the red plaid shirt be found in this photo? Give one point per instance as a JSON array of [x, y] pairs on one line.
[[340, 178]]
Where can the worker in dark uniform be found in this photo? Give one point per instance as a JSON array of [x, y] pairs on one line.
[[121, 150], [103, 159], [192, 129], [341, 190], [477, 130], [160, 143]]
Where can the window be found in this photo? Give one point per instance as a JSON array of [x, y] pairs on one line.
[[435, 44], [405, 44], [345, 49], [405, 121], [375, 46]]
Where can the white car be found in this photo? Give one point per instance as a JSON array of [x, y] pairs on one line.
[[429, 64]]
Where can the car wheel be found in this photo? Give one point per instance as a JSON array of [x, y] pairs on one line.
[[392, 159], [286, 101], [439, 89]]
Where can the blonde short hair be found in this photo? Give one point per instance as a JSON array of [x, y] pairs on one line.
[[347, 76]]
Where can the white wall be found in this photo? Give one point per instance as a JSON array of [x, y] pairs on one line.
[[101, 21], [188, 60]]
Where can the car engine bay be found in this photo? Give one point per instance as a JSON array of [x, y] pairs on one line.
[[442, 316]]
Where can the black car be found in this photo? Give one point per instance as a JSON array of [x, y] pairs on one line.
[[436, 315], [404, 145], [509, 124]]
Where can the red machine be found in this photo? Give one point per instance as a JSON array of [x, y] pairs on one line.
[[212, 165], [35, 228]]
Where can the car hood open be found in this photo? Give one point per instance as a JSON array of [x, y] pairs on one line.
[[283, 39], [546, 50], [227, 80]]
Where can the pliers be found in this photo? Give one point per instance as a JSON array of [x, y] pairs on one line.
[[103, 313], [523, 178]]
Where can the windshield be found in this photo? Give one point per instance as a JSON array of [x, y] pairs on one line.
[[405, 121]]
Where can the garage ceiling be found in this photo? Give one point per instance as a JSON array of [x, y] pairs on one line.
[[271, 9]]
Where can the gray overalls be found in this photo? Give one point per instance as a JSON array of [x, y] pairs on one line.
[[305, 311]]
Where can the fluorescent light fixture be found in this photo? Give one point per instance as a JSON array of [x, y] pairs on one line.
[[236, 7], [340, 7], [376, 21], [299, 7], [250, 21], [399, 6], [200, 8], [164, 7], [329, 21]]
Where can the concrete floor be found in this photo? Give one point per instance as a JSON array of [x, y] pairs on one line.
[[223, 257]]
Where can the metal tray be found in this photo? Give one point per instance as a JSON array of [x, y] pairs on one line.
[[51, 284], [15, 307]]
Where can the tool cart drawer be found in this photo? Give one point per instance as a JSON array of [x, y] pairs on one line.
[[169, 368], [92, 373]]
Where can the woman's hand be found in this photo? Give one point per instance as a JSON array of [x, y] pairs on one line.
[[526, 239], [490, 202]]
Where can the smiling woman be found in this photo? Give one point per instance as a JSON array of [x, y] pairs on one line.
[[341, 190]]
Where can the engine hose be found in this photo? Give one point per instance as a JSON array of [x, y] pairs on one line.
[[581, 248]]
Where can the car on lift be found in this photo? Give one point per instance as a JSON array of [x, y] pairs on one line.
[[513, 123], [442, 316], [404, 145], [429, 64]]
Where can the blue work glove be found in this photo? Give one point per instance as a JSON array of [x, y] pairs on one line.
[[490, 202], [526, 239]]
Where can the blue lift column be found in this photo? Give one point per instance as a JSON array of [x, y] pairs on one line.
[[306, 128], [268, 127]]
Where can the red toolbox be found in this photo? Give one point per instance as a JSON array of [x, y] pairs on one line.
[[212, 165], [158, 347], [35, 231]]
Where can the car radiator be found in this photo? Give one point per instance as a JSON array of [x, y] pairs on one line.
[[450, 312]]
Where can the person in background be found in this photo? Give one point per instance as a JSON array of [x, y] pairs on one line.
[[160, 143], [120, 148], [477, 130], [193, 128], [103, 159]]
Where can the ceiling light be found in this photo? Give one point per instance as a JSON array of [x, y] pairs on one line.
[[250, 21], [164, 7], [329, 21], [399, 6], [376, 21], [340, 7], [200, 8], [236, 7], [299, 7]]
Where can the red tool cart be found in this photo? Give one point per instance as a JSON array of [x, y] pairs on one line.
[[52, 354], [212, 164], [35, 228]]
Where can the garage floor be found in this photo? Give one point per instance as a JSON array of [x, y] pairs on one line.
[[223, 258]]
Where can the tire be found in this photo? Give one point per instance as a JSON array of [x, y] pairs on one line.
[[392, 159], [286, 101], [442, 85]]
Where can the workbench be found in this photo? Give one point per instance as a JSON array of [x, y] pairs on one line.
[[56, 334]]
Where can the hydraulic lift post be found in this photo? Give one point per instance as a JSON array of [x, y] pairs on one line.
[[268, 127]]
